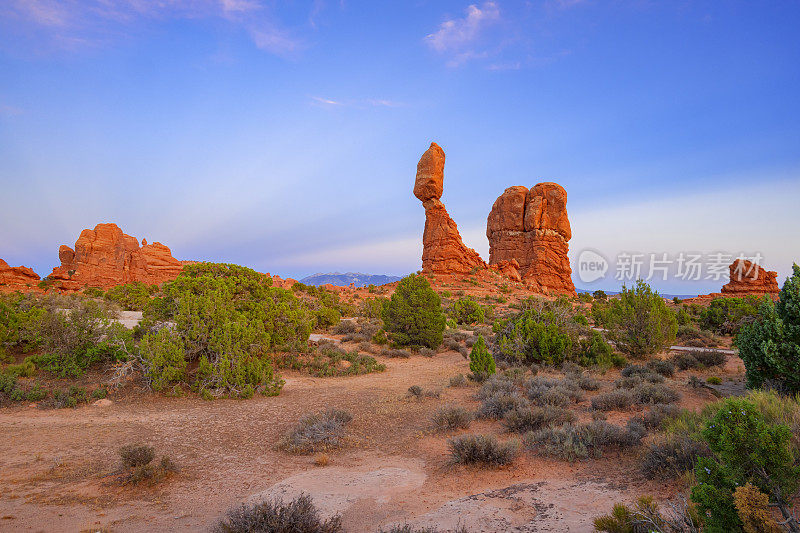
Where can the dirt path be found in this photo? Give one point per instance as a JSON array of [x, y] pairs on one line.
[[58, 466]]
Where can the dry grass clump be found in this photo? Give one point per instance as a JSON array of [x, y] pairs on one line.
[[613, 400], [317, 432], [137, 464], [274, 516], [450, 417], [484, 450], [533, 418], [669, 456]]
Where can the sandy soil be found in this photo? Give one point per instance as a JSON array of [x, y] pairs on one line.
[[60, 466]]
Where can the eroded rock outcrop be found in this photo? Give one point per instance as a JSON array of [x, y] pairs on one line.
[[443, 250], [20, 276], [105, 257], [531, 227], [748, 278]]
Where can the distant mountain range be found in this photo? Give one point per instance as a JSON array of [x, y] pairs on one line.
[[344, 280], [664, 295]]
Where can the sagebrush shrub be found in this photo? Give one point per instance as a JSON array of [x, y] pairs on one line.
[[613, 400], [482, 450], [670, 456], [451, 417], [317, 432], [533, 418], [275, 516]]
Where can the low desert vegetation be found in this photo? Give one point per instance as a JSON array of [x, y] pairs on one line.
[[451, 417], [639, 320], [318, 432], [137, 464], [413, 316], [482, 450], [276, 516], [769, 346]]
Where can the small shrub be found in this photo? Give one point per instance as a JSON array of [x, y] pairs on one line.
[[414, 314], [655, 393], [533, 418], [752, 506], [396, 353], [572, 442], [714, 380], [654, 418], [467, 311], [588, 383], [415, 390], [322, 431], [136, 455], [670, 456], [613, 400], [664, 368], [451, 417], [482, 450], [481, 362], [639, 320], [274, 516], [709, 358], [426, 352], [497, 405], [458, 380]]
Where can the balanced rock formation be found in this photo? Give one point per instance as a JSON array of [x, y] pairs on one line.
[[443, 250], [105, 257], [531, 227], [20, 276], [747, 278]]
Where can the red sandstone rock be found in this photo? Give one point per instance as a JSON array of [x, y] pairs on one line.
[[105, 257], [748, 278], [531, 227], [17, 276], [443, 250]]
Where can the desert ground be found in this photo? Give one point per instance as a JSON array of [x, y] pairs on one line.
[[61, 467]]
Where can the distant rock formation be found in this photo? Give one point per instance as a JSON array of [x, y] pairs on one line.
[[20, 276], [443, 250], [105, 257], [531, 228], [748, 278]]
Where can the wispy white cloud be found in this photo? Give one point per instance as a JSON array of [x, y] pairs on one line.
[[325, 101], [459, 33], [75, 24], [356, 103]]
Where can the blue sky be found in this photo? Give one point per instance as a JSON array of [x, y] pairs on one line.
[[285, 135]]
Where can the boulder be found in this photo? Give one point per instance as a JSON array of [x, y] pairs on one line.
[[443, 250]]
